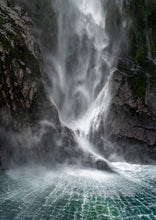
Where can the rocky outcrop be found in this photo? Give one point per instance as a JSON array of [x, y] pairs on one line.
[[30, 129], [19, 67], [23, 101], [131, 122]]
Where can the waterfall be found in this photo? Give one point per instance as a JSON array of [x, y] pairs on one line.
[[58, 166], [85, 54], [88, 44]]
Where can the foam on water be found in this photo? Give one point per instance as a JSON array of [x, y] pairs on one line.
[[81, 80], [72, 193]]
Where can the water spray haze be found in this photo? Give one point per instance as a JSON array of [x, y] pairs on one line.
[[83, 64], [64, 164], [84, 58]]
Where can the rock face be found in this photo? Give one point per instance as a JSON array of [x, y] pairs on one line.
[[30, 129], [23, 101], [19, 68], [131, 122]]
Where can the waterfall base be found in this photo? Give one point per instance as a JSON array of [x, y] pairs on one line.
[[79, 194]]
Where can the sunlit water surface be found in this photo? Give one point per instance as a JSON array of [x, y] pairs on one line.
[[79, 194]]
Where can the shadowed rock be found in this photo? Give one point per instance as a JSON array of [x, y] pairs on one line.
[[130, 128], [30, 132], [102, 165]]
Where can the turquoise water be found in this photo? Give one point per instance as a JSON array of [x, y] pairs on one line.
[[72, 193]]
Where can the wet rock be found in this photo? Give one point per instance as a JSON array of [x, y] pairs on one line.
[[23, 99], [18, 53], [130, 128], [102, 165], [28, 117]]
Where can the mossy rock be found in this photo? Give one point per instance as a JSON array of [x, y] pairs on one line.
[[31, 62], [4, 41], [143, 29], [21, 52], [1, 23], [138, 85], [3, 82], [12, 35]]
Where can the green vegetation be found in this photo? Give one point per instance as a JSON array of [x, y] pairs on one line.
[[3, 82], [143, 44], [31, 62], [1, 23], [12, 35], [5, 43], [5, 87], [143, 29], [138, 84], [23, 53]]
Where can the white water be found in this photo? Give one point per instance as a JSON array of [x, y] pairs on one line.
[[79, 194], [82, 94], [83, 64], [85, 56]]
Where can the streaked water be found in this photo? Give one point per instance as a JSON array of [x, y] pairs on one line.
[[80, 70], [88, 46], [79, 194], [87, 50]]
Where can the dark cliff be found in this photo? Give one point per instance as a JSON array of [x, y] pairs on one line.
[[132, 118], [30, 130], [130, 129], [23, 98], [30, 127]]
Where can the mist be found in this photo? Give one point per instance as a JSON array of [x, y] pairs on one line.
[[77, 134]]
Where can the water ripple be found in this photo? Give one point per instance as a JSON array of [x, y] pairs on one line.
[[74, 194]]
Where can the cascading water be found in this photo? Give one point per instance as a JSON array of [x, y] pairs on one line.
[[85, 55], [83, 62], [89, 38]]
